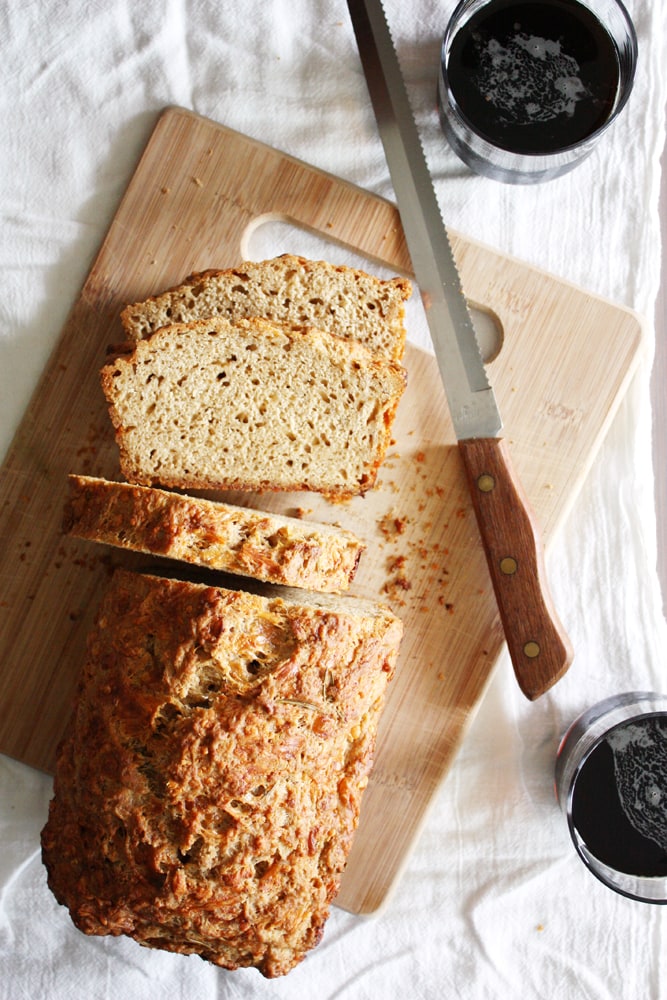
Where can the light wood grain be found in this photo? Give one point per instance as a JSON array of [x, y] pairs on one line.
[[563, 366]]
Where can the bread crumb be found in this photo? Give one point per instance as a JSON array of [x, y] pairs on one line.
[[392, 524], [394, 589], [302, 512]]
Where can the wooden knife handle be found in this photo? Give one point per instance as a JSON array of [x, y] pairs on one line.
[[539, 648]]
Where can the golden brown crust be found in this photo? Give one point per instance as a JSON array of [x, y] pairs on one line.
[[268, 547], [209, 783]]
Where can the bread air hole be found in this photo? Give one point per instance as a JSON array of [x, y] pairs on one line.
[[240, 806]]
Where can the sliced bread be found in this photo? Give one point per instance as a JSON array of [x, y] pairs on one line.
[[252, 405], [240, 540], [289, 289], [209, 782]]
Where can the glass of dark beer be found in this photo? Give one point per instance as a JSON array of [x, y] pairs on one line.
[[611, 784], [527, 87]]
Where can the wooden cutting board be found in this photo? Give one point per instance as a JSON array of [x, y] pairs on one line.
[[566, 357]]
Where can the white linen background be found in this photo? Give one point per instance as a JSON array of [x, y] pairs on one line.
[[494, 902]]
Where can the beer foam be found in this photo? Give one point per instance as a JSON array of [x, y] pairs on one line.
[[529, 78], [640, 767]]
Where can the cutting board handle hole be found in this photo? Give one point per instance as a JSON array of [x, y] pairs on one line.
[[489, 330], [271, 234]]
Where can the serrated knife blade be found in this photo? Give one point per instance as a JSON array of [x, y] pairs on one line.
[[538, 645]]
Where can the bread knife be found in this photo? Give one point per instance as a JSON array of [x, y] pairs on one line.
[[539, 647]]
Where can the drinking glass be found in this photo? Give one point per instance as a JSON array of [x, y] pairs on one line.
[[611, 784], [527, 88]]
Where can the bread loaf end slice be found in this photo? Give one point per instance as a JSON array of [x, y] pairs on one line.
[[239, 540]]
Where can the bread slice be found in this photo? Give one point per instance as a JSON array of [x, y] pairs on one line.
[[267, 547], [252, 405], [208, 786], [289, 289]]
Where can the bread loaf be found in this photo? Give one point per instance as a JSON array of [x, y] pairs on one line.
[[268, 547], [209, 782], [252, 405], [288, 289]]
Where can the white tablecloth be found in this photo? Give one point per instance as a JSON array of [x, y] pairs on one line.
[[494, 902]]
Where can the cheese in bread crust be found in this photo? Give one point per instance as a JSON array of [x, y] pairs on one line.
[[209, 783]]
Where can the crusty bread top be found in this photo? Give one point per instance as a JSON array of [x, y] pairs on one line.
[[288, 289], [254, 543], [210, 779], [252, 405]]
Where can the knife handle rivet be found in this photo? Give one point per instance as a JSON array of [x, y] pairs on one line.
[[532, 649], [508, 565], [485, 483]]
